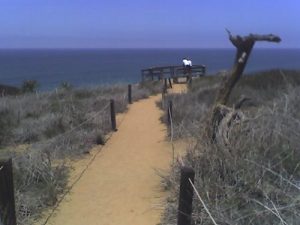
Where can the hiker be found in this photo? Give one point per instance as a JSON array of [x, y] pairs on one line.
[[187, 68], [187, 65], [190, 63]]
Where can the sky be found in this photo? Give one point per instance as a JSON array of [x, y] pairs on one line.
[[144, 23]]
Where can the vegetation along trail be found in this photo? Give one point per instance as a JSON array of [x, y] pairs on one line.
[[122, 186]]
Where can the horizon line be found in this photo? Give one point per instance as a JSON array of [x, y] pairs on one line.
[[136, 48]]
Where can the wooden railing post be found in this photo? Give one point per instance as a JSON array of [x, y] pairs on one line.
[[7, 199], [170, 82], [172, 71], [185, 196], [165, 84], [170, 112], [129, 94], [163, 99], [113, 115], [161, 73]]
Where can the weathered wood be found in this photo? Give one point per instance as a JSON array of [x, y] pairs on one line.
[[162, 99], [171, 72], [170, 112], [161, 76], [184, 216], [170, 83], [244, 46], [113, 115], [241, 101], [7, 199], [129, 94], [165, 84]]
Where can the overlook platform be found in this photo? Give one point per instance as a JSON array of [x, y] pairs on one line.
[[162, 72]]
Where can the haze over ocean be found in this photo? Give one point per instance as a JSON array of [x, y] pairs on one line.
[[87, 67], [137, 34]]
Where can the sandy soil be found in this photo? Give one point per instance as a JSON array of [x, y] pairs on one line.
[[178, 88], [122, 186]]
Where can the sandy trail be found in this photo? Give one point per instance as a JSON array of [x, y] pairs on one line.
[[121, 186]]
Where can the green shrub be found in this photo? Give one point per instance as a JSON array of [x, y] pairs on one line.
[[29, 86], [100, 139], [38, 182], [55, 127], [66, 85], [154, 87], [7, 122], [83, 93]]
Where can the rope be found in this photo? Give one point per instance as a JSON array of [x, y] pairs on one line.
[[75, 182], [80, 176], [78, 126], [179, 159], [182, 165], [84, 122], [172, 134], [202, 202]]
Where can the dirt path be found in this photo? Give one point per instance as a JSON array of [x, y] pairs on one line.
[[121, 186]]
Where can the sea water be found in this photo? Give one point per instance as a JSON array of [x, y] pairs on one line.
[[84, 67]]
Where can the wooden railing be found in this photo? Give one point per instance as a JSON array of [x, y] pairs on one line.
[[172, 72]]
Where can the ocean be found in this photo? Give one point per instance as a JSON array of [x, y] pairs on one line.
[[89, 67]]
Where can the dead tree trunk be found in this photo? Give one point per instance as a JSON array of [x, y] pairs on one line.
[[244, 46]]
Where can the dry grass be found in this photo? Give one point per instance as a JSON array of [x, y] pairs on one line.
[[55, 126], [190, 109], [254, 178]]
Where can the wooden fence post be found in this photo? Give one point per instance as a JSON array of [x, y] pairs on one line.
[[7, 199], [170, 112], [113, 115], [170, 83], [163, 99], [185, 196], [165, 84], [129, 94]]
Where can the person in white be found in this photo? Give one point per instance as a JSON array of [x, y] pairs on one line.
[[187, 64]]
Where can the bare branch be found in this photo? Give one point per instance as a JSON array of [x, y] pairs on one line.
[[236, 40], [267, 37], [244, 46], [241, 101], [239, 41]]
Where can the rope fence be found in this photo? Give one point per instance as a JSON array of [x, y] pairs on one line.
[[202, 202], [96, 117], [97, 114], [100, 119], [87, 165], [187, 187], [124, 97], [108, 105]]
